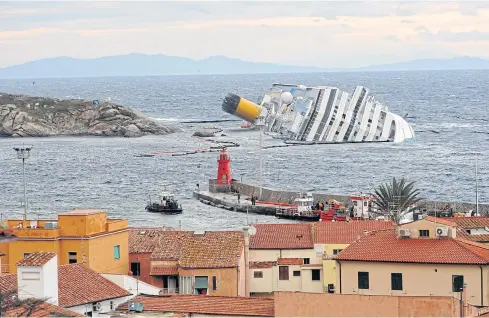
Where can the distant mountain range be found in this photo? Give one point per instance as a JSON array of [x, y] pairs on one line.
[[148, 65]]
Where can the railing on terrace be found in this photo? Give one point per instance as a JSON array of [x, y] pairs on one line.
[[5, 269], [169, 291]]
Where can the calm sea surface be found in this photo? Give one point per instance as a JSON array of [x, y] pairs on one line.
[[450, 117]]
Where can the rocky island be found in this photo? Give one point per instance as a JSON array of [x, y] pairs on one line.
[[26, 116]]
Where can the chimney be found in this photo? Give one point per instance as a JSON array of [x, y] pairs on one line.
[[37, 277], [246, 230]]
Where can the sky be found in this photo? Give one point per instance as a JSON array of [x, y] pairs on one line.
[[322, 33]]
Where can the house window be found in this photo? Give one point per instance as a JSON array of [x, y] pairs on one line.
[[316, 274], [424, 233], [201, 285], [283, 272], [185, 285], [337, 251], [363, 282], [111, 305], [297, 273], [307, 261], [72, 258], [365, 203], [457, 283], [135, 269], [117, 252], [214, 283], [26, 255], [88, 314], [258, 274], [396, 281]]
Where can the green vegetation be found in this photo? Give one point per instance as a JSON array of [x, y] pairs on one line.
[[396, 198]]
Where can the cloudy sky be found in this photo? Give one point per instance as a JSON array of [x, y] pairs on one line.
[[323, 33]]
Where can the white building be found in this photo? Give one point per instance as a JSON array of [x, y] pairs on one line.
[[74, 286]]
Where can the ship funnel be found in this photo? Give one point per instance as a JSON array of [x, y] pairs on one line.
[[241, 107]]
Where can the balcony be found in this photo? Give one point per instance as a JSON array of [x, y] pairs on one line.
[[5, 269], [168, 291]]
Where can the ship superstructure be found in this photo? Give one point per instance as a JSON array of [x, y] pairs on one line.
[[321, 114]]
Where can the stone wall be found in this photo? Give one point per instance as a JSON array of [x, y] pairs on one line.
[[293, 304], [275, 195]]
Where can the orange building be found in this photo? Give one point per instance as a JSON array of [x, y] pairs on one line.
[[78, 236]]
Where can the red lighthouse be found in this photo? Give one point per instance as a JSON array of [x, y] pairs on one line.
[[223, 168]]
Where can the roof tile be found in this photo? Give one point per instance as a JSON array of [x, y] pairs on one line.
[[290, 261], [36, 259], [79, 285], [444, 221], [217, 249], [8, 283], [164, 270], [282, 236], [170, 245], [472, 222], [345, 232], [385, 246], [43, 309], [207, 305], [144, 240], [261, 264]]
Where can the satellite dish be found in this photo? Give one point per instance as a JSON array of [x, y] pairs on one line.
[[286, 98], [252, 230]]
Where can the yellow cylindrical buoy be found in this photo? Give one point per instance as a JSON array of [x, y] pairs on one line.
[[241, 107]]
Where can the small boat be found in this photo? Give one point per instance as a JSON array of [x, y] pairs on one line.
[[301, 209], [168, 204]]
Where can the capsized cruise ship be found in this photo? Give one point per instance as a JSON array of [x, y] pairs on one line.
[[321, 114]]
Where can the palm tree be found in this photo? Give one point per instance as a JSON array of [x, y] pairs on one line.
[[396, 199]]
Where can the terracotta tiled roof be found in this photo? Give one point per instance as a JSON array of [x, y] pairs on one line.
[[444, 221], [170, 245], [261, 264], [312, 265], [472, 237], [41, 310], [207, 305], [217, 249], [282, 236], [79, 285], [144, 240], [472, 222], [8, 283], [164, 270], [290, 261], [385, 246], [214, 249], [36, 259], [345, 232]]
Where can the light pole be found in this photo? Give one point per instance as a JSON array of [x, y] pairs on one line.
[[260, 123], [23, 153]]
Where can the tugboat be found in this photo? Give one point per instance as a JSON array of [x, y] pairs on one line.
[[301, 209], [168, 204]]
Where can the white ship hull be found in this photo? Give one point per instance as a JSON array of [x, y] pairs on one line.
[[323, 115], [331, 115]]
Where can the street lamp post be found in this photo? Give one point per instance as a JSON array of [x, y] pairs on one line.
[[260, 123], [23, 153]]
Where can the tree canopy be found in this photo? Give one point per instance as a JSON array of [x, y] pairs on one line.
[[396, 198]]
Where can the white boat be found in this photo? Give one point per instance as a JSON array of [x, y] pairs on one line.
[[321, 114]]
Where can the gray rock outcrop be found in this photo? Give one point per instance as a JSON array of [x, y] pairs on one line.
[[25, 116]]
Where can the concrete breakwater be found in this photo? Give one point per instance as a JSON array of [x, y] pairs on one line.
[[275, 195], [230, 202]]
